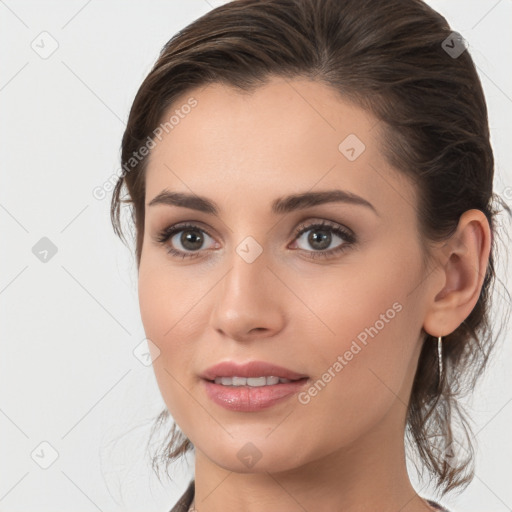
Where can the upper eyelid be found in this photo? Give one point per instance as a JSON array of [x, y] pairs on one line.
[[306, 224]]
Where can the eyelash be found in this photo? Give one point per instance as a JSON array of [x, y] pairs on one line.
[[348, 236]]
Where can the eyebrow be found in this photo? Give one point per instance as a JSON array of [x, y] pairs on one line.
[[280, 205]]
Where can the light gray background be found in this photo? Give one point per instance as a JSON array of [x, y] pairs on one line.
[[68, 374]]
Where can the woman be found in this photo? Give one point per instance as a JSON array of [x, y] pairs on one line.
[[311, 187]]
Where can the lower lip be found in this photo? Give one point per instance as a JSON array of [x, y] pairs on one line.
[[249, 399]]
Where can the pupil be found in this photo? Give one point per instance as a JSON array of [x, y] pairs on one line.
[[324, 239], [190, 239]]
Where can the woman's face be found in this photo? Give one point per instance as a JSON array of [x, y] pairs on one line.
[[344, 308]]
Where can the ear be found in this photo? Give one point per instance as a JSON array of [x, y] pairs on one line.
[[463, 264]]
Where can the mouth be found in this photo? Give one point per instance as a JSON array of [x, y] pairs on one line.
[[253, 382], [252, 373]]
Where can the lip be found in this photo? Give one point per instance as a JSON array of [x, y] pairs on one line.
[[250, 369], [251, 399]]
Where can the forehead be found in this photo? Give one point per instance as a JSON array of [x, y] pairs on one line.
[[288, 136]]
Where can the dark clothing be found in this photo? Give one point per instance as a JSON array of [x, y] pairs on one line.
[[183, 504]]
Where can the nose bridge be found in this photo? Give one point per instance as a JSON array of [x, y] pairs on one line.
[[245, 300], [247, 275]]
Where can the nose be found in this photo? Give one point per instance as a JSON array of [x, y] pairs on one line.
[[248, 300]]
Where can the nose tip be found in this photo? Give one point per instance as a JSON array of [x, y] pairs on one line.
[[244, 308]]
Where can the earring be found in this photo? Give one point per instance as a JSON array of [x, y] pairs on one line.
[[440, 361]]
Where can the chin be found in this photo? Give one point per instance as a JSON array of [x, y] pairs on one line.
[[255, 454]]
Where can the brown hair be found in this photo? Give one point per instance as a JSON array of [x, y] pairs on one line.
[[391, 59]]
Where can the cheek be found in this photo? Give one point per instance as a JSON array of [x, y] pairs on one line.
[[163, 313], [163, 309], [360, 369], [166, 297], [368, 320], [349, 305], [154, 296]]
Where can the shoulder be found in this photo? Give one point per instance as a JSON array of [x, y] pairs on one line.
[[185, 500], [183, 504], [437, 506]]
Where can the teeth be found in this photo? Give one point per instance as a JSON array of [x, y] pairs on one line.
[[251, 381]]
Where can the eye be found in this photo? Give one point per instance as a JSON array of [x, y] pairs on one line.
[[192, 239], [321, 237]]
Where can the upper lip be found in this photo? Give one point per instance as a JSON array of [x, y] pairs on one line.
[[250, 369]]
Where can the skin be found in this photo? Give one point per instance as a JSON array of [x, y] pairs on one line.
[[344, 450]]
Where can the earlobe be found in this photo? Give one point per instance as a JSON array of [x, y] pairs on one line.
[[465, 260]]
